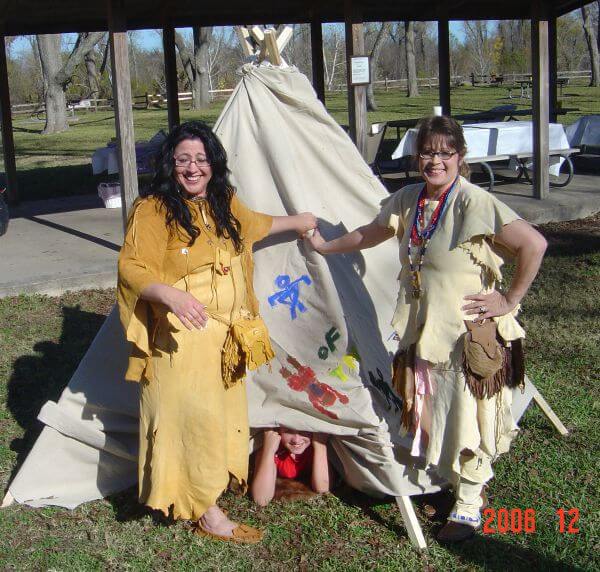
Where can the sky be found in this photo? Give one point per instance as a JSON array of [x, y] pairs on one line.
[[149, 39]]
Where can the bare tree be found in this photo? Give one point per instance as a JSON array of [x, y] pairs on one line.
[[382, 35], [411, 66], [333, 45], [93, 78], [196, 64], [480, 44], [57, 75], [590, 38]]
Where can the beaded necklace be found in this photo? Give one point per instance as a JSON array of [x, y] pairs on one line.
[[420, 235]]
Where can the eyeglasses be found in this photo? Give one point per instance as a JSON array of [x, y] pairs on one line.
[[443, 155], [187, 161]]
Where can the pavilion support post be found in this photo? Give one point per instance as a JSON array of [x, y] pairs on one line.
[[444, 64], [119, 58], [553, 70], [318, 66], [171, 76], [540, 99], [8, 143], [357, 95]]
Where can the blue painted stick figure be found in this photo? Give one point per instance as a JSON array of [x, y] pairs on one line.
[[289, 294]]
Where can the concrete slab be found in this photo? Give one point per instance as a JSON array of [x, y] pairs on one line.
[[581, 198], [52, 252], [72, 243]]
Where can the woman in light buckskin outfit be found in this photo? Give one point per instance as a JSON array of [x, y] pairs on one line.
[[451, 234], [186, 259]]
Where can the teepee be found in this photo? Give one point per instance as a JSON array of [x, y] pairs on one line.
[[328, 317]]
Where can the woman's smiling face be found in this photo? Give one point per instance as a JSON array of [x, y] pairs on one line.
[[438, 172], [194, 176]]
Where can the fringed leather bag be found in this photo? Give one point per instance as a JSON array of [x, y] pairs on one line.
[[247, 346], [403, 382], [488, 364]]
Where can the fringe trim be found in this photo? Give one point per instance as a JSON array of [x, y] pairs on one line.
[[403, 382], [484, 388]]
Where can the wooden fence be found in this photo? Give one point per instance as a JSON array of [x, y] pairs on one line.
[[475, 79], [159, 100], [145, 101]]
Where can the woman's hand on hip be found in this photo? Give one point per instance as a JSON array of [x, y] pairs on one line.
[[488, 305], [191, 313]]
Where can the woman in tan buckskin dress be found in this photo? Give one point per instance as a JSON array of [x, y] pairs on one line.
[[185, 273]]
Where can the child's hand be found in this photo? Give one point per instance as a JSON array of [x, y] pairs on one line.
[[272, 439]]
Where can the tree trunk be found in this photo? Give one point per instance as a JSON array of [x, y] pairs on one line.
[[411, 66], [54, 94], [57, 75], [375, 53], [186, 59], [590, 38], [92, 75], [201, 85]]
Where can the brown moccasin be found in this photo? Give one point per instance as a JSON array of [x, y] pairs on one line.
[[242, 534], [455, 532]]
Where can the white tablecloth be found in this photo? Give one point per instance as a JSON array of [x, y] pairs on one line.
[[496, 138], [105, 159], [585, 131]]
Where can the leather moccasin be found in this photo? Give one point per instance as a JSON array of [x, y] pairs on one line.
[[242, 534], [455, 532]]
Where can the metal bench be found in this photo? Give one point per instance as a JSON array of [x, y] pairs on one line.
[[522, 168]]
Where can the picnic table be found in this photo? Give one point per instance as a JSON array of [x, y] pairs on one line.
[[106, 158], [508, 142], [525, 85]]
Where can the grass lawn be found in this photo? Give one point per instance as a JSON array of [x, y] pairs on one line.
[[60, 165], [42, 340]]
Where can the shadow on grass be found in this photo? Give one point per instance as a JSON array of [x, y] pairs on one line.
[[489, 552], [38, 378], [61, 181], [571, 243]]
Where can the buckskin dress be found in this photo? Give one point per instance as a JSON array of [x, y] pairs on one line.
[[193, 430], [457, 434]]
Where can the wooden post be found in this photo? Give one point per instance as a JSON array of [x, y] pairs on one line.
[[540, 96], [119, 58], [415, 533], [171, 76], [318, 67], [444, 64], [357, 95], [553, 61], [8, 143]]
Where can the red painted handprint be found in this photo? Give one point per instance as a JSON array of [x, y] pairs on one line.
[[320, 394]]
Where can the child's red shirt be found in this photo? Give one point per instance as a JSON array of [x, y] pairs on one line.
[[290, 468]]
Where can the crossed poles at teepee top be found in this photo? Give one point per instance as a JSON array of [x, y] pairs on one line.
[[260, 44]]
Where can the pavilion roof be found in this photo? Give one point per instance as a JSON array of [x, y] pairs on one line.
[[53, 16]]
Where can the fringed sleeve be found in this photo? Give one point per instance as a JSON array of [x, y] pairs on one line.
[[394, 213], [254, 227], [484, 217], [140, 264]]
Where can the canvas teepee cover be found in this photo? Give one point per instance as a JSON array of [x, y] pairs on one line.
[[328, 317]]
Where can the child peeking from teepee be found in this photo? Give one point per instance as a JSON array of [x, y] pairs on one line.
[[290, 465]]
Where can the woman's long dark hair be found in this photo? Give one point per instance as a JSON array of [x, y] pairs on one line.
[[219, 190]]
